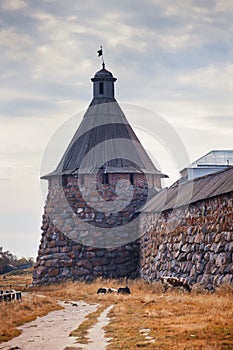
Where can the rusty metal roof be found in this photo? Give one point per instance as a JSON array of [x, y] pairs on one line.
[[183, 194]]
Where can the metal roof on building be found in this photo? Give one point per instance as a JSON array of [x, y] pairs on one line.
[[214, 158], [198, 189], [104, 138], [103, 73]]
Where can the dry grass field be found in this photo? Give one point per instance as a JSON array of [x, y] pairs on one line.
[[173, 321], [14, 314], [146, 318], [150, 319], [17, 281]]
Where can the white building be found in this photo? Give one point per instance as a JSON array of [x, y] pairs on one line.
[[212, 162]]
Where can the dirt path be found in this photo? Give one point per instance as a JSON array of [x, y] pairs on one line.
[[96, 333], [51, 332]]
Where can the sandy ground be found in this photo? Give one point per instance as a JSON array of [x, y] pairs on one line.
[[51, 332]]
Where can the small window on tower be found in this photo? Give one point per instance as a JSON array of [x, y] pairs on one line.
[[131, 178], [81, 179], [64, 180], [105, 179], [101, 88]]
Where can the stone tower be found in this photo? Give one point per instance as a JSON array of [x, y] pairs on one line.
[[90, 226]]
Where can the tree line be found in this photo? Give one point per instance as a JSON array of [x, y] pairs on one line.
[[10, 262]]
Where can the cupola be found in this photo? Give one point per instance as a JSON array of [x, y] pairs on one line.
[[103, 87]]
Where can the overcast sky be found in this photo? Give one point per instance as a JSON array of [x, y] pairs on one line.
[[171, 57]]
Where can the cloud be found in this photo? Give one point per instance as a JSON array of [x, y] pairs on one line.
[[212, 87], [172, 57], [226, 120], [13, 4]]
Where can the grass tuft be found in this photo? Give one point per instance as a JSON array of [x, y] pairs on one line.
[[82, 331]]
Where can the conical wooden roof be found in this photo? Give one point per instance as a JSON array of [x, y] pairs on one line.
[[104, 139]]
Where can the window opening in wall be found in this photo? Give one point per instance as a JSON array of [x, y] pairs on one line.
[[64, 180], [131, 178], [105, 179], [101, 88], [81, 179]]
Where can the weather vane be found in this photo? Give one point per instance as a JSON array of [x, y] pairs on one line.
[[101, 53]]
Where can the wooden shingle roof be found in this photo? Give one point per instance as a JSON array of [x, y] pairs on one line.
[[104, 138], [198, 189]]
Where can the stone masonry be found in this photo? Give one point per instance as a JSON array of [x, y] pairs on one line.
[[195, 242], [94, 216], [66, 250], [90, 221]]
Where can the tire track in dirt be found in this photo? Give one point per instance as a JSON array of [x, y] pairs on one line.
[[96, 333], [51, 332]]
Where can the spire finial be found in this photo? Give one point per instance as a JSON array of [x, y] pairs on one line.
[[101, 53]]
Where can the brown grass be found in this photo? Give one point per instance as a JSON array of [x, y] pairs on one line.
[[150, 319], [175, 321], [81, 291], [16, 313], [17, 281], [82, 331]]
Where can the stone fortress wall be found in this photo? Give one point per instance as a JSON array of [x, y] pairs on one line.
[[72, 227], [195, 242], [83, 240]]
